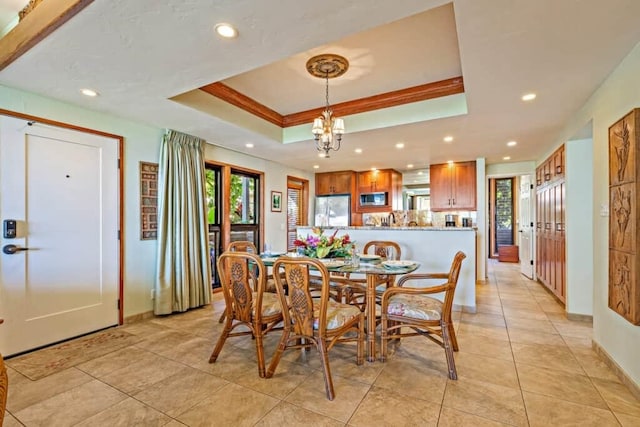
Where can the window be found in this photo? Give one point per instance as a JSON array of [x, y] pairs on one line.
[[297, 202]]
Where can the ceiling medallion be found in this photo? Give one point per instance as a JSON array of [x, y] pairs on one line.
[[327, 65], [327, 130]]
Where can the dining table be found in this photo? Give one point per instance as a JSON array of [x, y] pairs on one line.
[[376, 272]]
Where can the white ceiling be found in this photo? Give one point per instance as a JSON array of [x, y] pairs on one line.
[[140, 54]]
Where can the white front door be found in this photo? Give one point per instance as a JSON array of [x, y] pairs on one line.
[[61, 187], [525, 222]]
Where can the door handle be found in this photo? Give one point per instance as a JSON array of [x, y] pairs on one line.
[[12, 249]]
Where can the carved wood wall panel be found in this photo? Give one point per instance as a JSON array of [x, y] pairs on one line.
[[624, 177]]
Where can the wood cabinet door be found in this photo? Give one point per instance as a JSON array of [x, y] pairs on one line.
[[374, 181], [440, 187], [558, 163], [342, 182], [323, 184], [463, 195], [334, 183]]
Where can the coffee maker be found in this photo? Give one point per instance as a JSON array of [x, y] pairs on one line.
[[450, 220]]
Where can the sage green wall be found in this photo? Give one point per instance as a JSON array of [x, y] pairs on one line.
[[142, 143]]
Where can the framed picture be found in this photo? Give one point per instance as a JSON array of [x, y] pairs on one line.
[[276, 201]]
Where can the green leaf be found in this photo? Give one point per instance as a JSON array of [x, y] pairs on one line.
[[323, 252]]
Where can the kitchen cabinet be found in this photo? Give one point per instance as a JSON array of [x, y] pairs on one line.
[[375, 181], [329, 183], [453, 186], [388, 181], [550, 224]]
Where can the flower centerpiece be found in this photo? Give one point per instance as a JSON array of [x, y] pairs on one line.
[[317, 245]]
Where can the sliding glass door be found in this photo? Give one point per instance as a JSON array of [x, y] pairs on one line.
[[233, 210]]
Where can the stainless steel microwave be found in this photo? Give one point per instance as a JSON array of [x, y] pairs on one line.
[[373, 199]]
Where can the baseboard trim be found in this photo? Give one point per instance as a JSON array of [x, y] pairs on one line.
[[465, 308], [620, 373], [138, 317], [580, 317]]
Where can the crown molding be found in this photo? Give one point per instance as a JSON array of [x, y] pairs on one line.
[[384, 100]]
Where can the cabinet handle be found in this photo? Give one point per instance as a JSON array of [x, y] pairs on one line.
[[454, 202], [547, 226], [559, 226], [538, 182], [547, 176], [449, 202], [558, 169], [538, 225]]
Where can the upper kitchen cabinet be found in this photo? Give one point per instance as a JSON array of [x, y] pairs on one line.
[[328, 183], [453, 186], [387, 186], [375, 181]]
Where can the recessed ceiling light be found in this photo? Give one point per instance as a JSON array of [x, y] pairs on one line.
[[316, 166], [420, 172], [226, 30], [512, 143], [506, 158], [321, 154], [529, 97], [400, 145], [448, 138], [358, 150], [409, 165], [248, 145], [89, 92]]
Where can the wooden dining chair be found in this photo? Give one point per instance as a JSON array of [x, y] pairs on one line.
[[313, 322], [356, 289], [243, 278], [247, 246], [413, 308]]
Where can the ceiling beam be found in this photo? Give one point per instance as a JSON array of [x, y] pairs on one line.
[[36, 26], [384, 100]]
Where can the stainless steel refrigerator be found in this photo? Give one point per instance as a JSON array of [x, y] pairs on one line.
[[333, 211]]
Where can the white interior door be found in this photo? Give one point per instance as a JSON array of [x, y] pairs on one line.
[[525, 223], [61, 187]]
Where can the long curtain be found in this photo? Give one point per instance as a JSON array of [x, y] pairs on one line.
[[183, 278]]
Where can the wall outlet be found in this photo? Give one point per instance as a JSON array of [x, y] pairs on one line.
[[153, 293]]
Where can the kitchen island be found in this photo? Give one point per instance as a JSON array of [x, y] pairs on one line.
[[432, 247]]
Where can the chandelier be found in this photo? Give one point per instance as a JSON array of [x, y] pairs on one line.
[[327, 130]]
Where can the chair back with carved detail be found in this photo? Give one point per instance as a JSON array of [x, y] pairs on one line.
[[243, 280], [242, 246], [308, 321], [383, 248]]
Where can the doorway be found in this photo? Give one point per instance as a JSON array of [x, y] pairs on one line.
[[62, 189], [501, 214], [234, 209]]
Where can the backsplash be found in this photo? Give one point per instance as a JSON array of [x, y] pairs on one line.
[[421, 218]]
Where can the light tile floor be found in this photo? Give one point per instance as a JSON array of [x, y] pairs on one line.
[[521, 362]]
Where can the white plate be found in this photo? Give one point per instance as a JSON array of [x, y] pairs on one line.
[[367, 257], [331, 263], [398, 264]]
